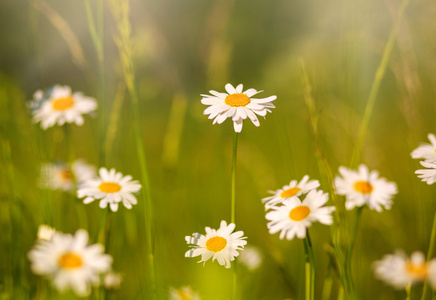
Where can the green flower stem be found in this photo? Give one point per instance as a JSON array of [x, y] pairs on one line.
[[430, 254], [233, 203], [408, 291], [349, 253], [310, 268], [235, 149]]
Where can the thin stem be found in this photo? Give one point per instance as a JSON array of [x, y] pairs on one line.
[[233, 202], [235, 148], [310, 268], [430, 253], [408, 291], [349, 254], [376, 85]]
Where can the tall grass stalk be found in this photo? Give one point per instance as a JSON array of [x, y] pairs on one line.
[[326, 172], [357, 151], [120, 11], [233, 202], [379, 74], [309, 268], [97, 34], [430, 254]]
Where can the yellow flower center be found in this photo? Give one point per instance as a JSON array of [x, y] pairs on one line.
[[363, 187], [184, 295], [237, 100], [299, 213], [216, 243], [66, 174], [109, 187], [70, 261], [65, 103], [419, 272], [290, 192]]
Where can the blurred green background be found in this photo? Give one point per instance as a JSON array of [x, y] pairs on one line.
[[183, 49]]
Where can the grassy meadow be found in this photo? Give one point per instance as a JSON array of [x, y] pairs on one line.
[[147, 67]]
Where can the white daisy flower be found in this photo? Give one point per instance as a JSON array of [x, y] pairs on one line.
[[110, 188], [59, 176], [237, 105], [112, 280], [58, 105], [427, 175], [251, 258], [69, 262], [294, 188], [221, 244], [400, 271], [364, 187], [426, 151], [45, 233], [184, 293], [295, 216]]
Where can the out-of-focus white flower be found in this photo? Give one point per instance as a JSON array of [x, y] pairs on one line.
[[400, 271], [364, 187], [59, 176], [184, 293], [58, 105], [251, 258], [237, 105], [70, 262], [221, 244], [112, 280], [110, 188]]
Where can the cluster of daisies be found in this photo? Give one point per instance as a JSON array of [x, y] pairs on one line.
[[70, 262], [66, 259], [291, 215]]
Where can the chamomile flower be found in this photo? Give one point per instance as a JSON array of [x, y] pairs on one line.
[[110, 188], [294, 216], [400, 271], [364, 187], [184, 293], [426, 151], [69, 262], [294, 188], [58, 105], [427, 175], [237, 105], [45, 233], [221, 245], [59, 176]]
